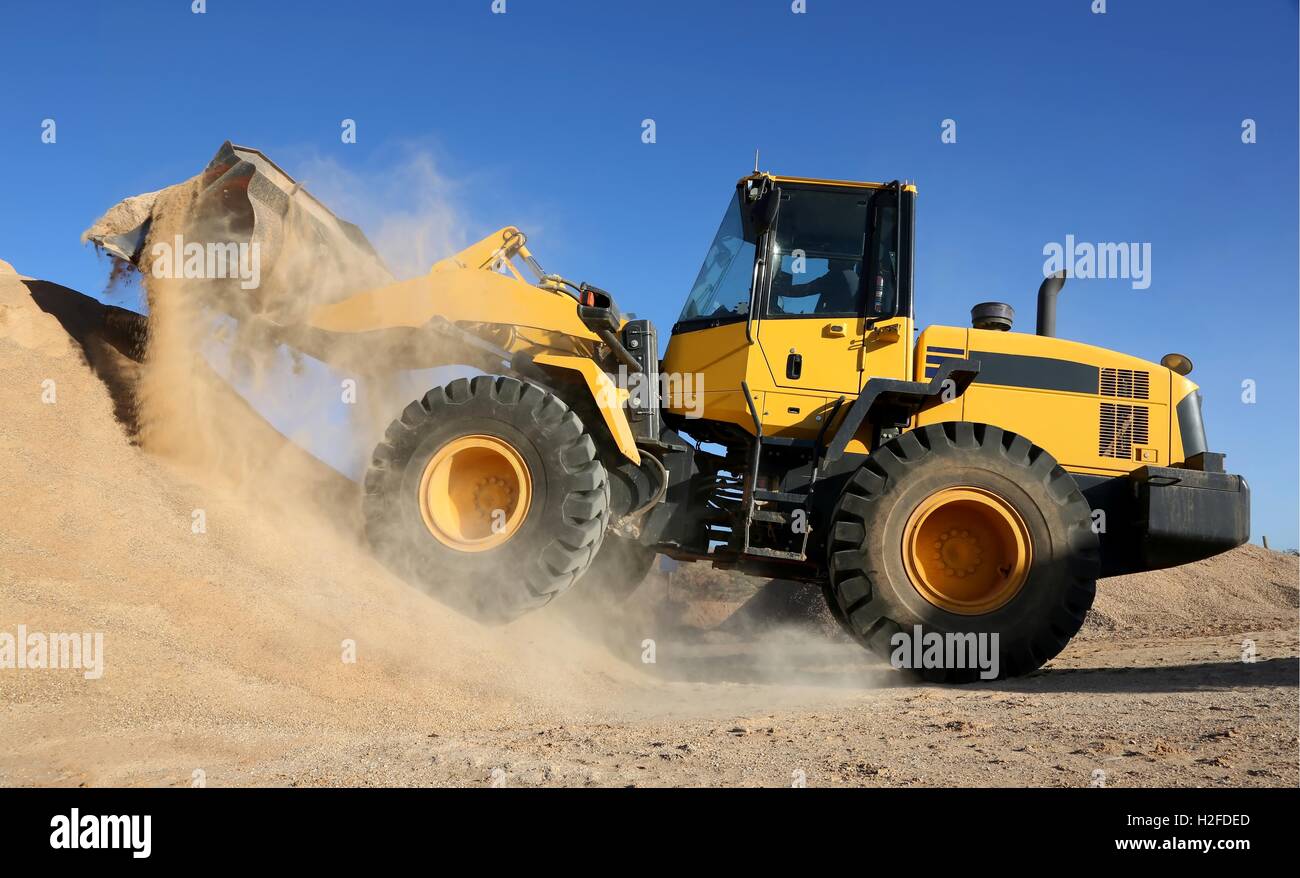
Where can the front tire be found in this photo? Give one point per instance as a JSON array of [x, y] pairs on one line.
[[957, 529], [488, 491]]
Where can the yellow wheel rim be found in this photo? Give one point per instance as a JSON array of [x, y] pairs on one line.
[[967, 550], [475, 493]]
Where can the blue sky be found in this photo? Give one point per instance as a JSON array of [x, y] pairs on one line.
[[1117, 127]]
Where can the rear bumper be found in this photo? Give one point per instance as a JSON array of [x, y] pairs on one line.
[[1181, 515], [1158, 516]]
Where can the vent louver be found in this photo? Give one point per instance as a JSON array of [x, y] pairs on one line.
[[1125, 383], [1121, 427]]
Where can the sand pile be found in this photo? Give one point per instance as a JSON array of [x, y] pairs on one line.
[[223, 619], [1249, 588]]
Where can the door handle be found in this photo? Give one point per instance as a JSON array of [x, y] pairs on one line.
[[835, 330]]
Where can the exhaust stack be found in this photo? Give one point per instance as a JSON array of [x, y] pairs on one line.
[[1047, 293]]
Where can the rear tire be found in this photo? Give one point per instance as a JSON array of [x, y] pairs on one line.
[[875, 589], [558, 509]]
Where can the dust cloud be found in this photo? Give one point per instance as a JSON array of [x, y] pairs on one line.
[[200, 330], [188, 414]]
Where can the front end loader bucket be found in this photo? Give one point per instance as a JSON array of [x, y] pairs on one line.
[[307, 256], [322, 288]]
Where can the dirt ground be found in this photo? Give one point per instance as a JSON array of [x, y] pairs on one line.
[[225, 645]]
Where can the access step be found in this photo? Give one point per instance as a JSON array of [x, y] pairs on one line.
[[773, 517], [779, 496], [776, 553]]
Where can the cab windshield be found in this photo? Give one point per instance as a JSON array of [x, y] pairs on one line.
[[722, 288], [834, 254]]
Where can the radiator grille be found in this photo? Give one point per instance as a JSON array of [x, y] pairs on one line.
[[1122, 427], [1125, 383]]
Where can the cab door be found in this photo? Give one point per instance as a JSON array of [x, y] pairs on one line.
[[830, 286], [814, 353]]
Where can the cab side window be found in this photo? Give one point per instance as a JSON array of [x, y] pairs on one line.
[[822, 262]]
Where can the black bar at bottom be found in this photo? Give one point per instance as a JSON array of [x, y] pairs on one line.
[[631, 827]]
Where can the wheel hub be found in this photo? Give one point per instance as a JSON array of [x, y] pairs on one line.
[[966, 550], [475, 493], [491, 494]]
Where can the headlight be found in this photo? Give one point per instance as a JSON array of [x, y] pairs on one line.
[[1177, 363]]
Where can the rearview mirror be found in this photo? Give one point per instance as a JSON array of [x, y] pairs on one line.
[[762, 213]]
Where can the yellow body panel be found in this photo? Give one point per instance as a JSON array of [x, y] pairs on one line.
[[831, 347], [889, 350], [1064, 419], [720, 355], [610, 398], [834, 365], [726, 406], [794, 415]]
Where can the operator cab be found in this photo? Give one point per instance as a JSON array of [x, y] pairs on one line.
[[803, 271], [833, 248]]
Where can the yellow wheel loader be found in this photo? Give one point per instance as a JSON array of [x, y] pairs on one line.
[[968, 482]]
